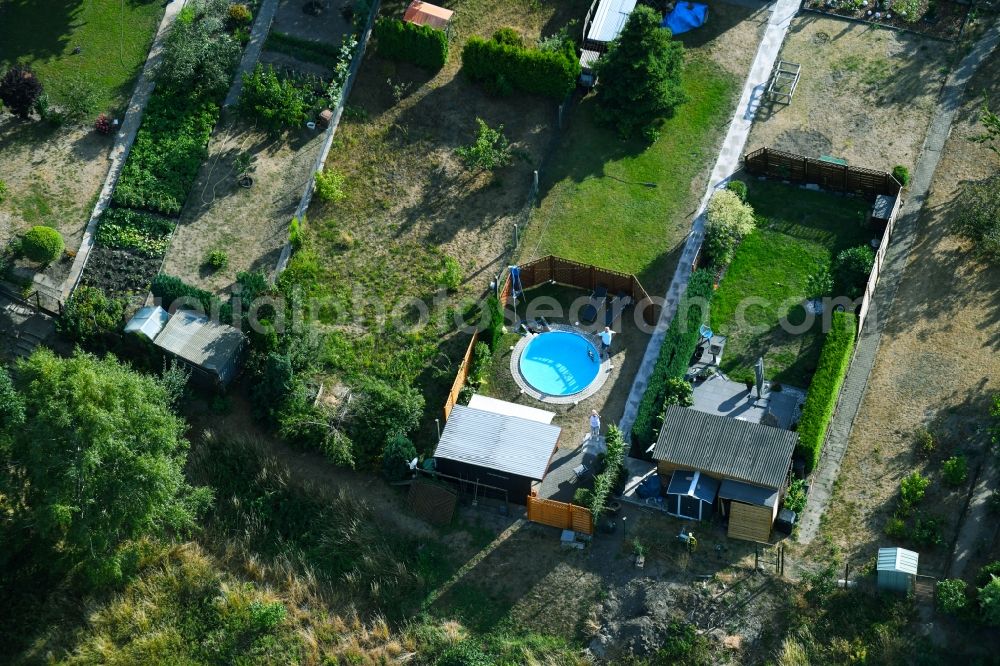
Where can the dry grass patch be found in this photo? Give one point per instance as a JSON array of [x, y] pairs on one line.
[[866, 94], [937, 366]]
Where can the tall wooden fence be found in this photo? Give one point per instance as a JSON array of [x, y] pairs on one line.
[[460, 377], [584, 276], [877, 268], [839, 177], [560, 514]]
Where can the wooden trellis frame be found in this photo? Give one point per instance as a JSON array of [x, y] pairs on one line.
[[784, 78]]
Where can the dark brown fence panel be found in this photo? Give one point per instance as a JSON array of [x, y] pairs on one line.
[[797, 168]]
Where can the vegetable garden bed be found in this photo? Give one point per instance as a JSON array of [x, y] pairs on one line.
[[942, 19]]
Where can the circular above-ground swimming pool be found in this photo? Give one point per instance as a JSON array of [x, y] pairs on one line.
[[559, 363]]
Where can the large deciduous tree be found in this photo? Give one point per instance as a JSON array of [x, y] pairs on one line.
[[19, 89], [640, 76], [99, 461]]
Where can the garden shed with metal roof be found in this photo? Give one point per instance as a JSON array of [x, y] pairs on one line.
[[749, 461], [211, 349], [897, 569], [498, 446]]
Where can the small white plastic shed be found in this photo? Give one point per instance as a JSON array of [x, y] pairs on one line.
[[897, 569]]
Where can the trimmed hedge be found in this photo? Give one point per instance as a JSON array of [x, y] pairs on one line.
[[678, 346], [825, 387], [420, 44], [502, 66], [169, 148], [42, 244], [605, 482]]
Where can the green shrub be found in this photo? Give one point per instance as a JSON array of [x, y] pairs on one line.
[[605, 482], [727, 222], [273, 102], [168, 151], [295, 234], [896, 528], [909, 11], [955, 471], [89, 314], [675, 392], [851, 269], [465, 653], [3, 190], [450, 276], [170, 290], [42, 244], [482, 362], [199, 53], [508, 36], [217, 259], [583, 496], [678, 346], [989, 602], [820, 283], [502, 67], [639, 78], [495, 325], [976, 218], [490, 151], [396, 457], [986, 572], [901, 174], [912, 488], [739, 188], [142, 233], [925, 442], [380, 413], [330, 186], [795, 496], [825, 387], [239, 14], [951, 597], [422, 45], [926, 532]]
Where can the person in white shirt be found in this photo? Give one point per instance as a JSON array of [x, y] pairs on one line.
[[606, 336], [595, 423]]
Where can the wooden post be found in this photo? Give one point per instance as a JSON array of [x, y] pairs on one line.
[[847, 573]]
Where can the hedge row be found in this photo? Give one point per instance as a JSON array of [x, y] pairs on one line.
[[305, 50], [605, 482], [825, 387], [134, 230], [420, 44], [499, 65], [675, 354], [168, 151], [170, 289]]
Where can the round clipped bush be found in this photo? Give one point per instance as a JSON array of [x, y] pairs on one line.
[[901, 174], [951, 597], [42, 244], [739, 188], [239, 14]]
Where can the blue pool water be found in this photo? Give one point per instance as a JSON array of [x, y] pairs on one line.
[[560, 363]]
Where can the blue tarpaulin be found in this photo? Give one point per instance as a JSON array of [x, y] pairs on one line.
[[686, 16]]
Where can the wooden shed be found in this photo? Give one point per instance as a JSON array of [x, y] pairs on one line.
[[499, 444], [748, 461], [897, 569]]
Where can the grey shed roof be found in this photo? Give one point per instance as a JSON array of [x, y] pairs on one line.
[[748, 494], [498, 441], [898, 559], [203, 343], [725, 446]]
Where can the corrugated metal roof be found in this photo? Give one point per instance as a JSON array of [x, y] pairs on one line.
[[204, 343], [747, 493], [898, 559], [488, 404], [727, 447], [609, 19], [148, 321], [498, 441]]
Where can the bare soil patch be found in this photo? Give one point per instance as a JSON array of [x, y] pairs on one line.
[[937, 366], [865, 95], [250, 225], [53, 177]]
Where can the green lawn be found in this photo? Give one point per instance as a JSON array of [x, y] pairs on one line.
[[586, 214], [113, 35], [797, 231]]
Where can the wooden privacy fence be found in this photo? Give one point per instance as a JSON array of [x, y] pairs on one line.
[[883, 247], [560, 514], [840, 177], [584, 276], [460, 377]]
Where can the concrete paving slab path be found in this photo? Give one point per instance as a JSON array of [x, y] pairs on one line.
[[727, 163]]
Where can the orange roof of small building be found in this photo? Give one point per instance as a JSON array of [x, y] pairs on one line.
[[424, 13]]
